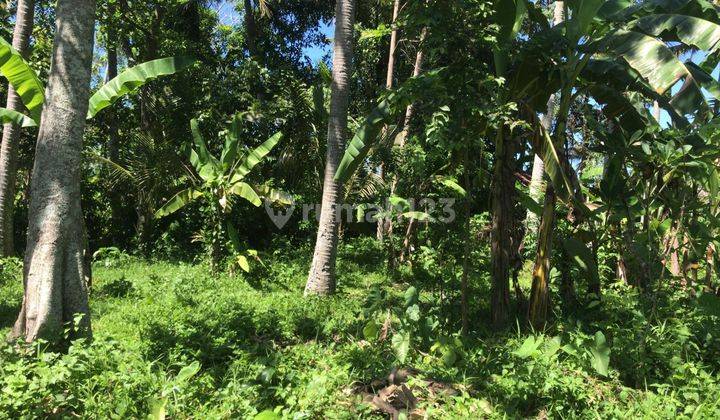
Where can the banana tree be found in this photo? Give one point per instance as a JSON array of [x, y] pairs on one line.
[[636, 42], [32, 92], [219, 183]]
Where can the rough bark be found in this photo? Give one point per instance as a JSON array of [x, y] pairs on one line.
[[54, 271], [501, 241], [11, 132], [321, 279]]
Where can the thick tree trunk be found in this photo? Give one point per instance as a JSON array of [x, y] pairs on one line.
[[540, 293], [501, 243], [321, 279], [11, 132], [55, 285]]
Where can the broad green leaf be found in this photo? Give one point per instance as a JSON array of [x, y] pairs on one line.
[[205, 163], [371, 331], [413, 313], [417, 215], [230, 149], [243, 263], [268, 415], [453, 185], [600, 352], [234, 237], [704, 79], [23, 78], [157, 409], [187, 372], [529, 347], [649, 57], [582, 256], [364, 139], [689, 30], [378, 32], [401, 345], [273, 195], [411, 296], [133, 78], [244, 190], [529, 203], [582, 13], [553, 166], [8, 116], [509, 17], [177, 202], [255, 156]]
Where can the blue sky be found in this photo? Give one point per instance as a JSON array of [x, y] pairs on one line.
[[229, 16]]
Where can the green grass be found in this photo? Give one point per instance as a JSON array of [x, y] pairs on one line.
[[258, 345]]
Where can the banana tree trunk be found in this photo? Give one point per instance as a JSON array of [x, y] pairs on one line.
[[321, 280], [11, 132], [56, 291], [540, 293], [501, 241], [537, 186]]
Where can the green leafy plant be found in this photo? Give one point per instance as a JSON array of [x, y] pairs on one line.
[[219, 183]]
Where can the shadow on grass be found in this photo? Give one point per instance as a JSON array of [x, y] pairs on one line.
[[8, 314]]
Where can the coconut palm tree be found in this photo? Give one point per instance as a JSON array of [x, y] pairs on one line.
[[11, 132], [321, 279]]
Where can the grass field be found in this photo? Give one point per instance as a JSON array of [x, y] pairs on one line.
[[172, 339]]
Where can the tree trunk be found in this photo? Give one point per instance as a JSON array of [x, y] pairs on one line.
[[400, 143], [113, 143], [501, 243], [251, 34], [709, 267], [11, 132], [321, 279], [537, 186], [417, 69], [464, 289], [55, 285], [383, 226], [540, 293]]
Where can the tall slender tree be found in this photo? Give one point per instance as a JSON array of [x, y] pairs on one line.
[[384, 224], [322, 280], [56, 289], [537, 186], [11, 132]]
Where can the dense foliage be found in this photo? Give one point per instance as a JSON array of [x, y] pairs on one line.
[[527, 197]]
